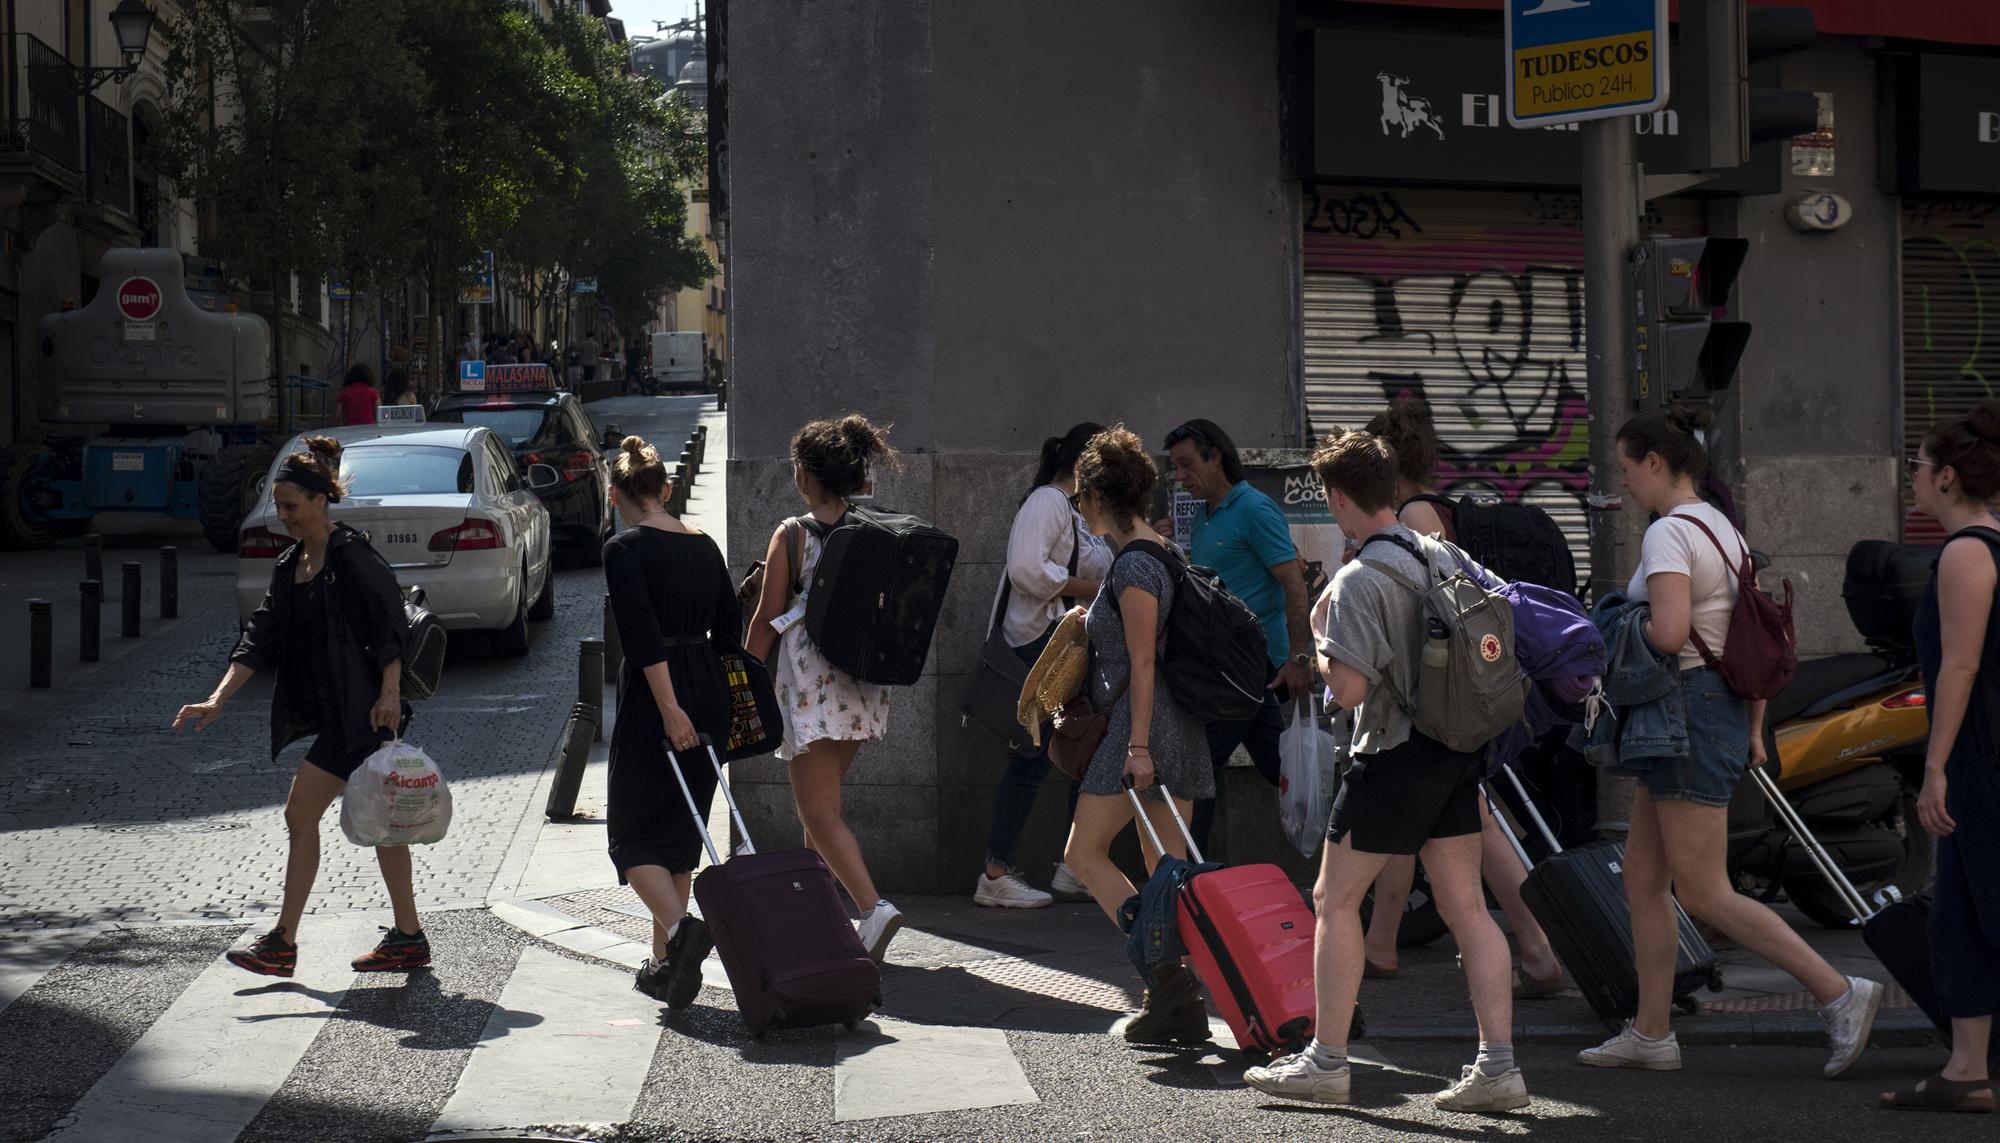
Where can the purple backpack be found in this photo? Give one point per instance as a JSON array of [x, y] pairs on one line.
[[1562, 653]]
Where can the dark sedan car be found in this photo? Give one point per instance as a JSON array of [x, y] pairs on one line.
[[544, 427]]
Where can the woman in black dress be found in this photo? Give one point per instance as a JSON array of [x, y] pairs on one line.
[[670, 594], [331, 628]]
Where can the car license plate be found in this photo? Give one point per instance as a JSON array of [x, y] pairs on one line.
[[401, 538]]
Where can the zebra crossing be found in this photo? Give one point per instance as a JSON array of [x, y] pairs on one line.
[[566, 1042]]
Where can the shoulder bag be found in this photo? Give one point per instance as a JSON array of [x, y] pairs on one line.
[[993, 688]]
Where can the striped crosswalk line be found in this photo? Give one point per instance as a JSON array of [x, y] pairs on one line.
[[569, 1043], [30, 956], [218, 1054]]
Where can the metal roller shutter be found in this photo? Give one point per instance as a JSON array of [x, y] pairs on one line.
[[1951, 289], [1472, 300]]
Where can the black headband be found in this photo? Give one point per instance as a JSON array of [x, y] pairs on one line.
[[309, 479]]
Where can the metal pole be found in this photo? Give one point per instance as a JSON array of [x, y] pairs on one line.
[[170, 582], [1610, 231], [130, 601], [41, 635], [590, 680], [90, 620], [93, 557]]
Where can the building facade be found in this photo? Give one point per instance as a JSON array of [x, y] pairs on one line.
[[984, 223]]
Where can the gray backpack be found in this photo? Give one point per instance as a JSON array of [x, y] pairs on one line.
[[1470, 689]]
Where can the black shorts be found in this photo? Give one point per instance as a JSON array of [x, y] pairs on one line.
[[1396, 801], [329, 752]]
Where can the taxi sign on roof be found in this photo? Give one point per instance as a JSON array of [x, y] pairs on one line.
[[399, 415], [1570, 60], [529, 378]]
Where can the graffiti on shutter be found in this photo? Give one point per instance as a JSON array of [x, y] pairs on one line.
[[1472, 301], [1951, 323]]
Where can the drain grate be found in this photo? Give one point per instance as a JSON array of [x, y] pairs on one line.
[[170, 827], [1892, 997]]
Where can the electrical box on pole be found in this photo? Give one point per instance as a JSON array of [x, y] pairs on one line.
[[1729, 96], [1683, 354]]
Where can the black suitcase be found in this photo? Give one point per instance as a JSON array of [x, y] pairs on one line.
[[781, 931], [1578, 895], [876, 593]]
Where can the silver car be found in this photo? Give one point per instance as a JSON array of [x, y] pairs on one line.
[[452, 512]]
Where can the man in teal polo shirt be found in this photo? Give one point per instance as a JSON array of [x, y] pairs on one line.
[[1242, 534]]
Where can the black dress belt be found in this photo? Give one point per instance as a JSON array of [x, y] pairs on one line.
[[683, 640]]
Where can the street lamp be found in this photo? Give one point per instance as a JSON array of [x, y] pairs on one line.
[[132, 23]]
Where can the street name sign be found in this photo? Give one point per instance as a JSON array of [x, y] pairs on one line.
[[1570, 60]]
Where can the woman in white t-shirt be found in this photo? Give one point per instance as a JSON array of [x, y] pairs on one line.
[[1053, 563], [1679, 840]]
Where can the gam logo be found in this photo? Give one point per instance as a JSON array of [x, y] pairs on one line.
[[139, 298]]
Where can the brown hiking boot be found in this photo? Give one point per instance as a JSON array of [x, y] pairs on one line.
[[1173, 1012]]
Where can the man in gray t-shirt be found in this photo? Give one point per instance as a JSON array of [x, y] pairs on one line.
[[1404, 793]]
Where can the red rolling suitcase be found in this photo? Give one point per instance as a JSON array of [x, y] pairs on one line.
[[792, 955], [1249, 932]]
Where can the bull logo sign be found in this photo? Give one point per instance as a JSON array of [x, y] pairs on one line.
[[1403, 110]]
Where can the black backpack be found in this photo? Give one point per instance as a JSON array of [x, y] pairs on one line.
[[876, 593], [1517, 542], [1217, 660]]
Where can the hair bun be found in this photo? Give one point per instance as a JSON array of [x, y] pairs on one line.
[[1984, 421], [326, 448], [635, 445], [1691, 418]]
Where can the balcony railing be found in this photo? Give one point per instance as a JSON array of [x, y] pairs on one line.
[[110, 170], [43, 115]]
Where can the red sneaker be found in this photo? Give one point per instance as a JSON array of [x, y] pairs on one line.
[[398, 952], [270, 955]]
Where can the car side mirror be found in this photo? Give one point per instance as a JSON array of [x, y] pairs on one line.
[[541, 478], [614, 438]]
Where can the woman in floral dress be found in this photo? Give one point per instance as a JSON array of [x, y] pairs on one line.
[[828, 713]]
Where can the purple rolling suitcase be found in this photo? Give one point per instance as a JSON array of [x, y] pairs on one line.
[[792, 955]]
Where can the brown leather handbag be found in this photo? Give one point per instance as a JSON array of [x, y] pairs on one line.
[[1079, 731]]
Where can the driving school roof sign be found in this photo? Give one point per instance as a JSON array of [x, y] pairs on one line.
[[1569, 60]]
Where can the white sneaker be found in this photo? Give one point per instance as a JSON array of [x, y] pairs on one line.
[[1067, 886], [1848, 1028], [878, 928], [1477, 1091], [1628, 1049], [1008, 891], [1297, 1077]]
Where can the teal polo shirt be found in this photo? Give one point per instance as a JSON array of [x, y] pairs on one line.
[[1241, 540]]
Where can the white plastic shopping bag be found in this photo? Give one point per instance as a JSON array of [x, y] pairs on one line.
[[397, 797], [1308, 774]]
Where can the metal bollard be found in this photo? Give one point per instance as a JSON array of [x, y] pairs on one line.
[[614, 647], [41, 633], [93, 556], [170, 582], [701, 443], [130, 628], [575, 749], [90, 620], [688, 464], [590, 680]]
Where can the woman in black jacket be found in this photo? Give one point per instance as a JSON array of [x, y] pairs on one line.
[[332, 627]]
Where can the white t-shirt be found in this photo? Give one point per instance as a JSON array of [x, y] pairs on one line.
[[1046, 531], [1678, 546]]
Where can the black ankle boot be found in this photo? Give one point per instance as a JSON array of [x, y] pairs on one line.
[[1173, 1011]]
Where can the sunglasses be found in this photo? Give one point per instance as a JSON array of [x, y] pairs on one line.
[[1189, 433], [1912, 464], [1076, 500]]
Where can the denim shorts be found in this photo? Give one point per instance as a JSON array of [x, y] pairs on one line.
[[1718, 724]]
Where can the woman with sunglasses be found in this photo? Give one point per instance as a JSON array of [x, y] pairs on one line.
[[1053, 561]]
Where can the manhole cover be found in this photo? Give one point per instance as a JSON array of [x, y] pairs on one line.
[[172, 827]]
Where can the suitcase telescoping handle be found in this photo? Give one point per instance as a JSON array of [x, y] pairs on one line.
[[721, 783], [1828, 867], [1146, 823]]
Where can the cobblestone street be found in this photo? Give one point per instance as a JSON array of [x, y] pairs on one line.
[[109, 816]]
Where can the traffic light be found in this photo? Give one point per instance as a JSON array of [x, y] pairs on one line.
[[1683, 353], [1727, 104]]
